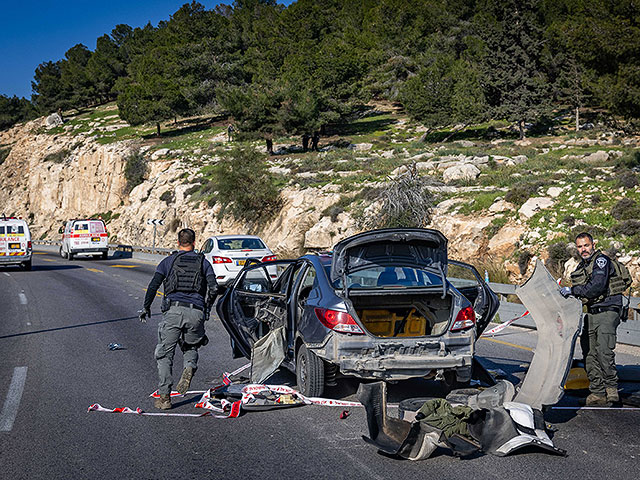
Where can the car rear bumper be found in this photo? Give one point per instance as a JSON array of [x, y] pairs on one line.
[[89, 250], [7, 259], [374, 358]]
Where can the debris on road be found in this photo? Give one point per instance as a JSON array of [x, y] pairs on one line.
[[344, 414], [115, 346]]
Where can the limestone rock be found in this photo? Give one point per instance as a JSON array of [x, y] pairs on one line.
[[53, 120], [362, 147], [501, 205], [325, 234], [554, 192], [534, 205], [503, 243], [159, 153], [464, 171], [596, 157]]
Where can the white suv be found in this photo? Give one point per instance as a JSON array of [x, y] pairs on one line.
[[228, 254], [15, 242], [84, 237]]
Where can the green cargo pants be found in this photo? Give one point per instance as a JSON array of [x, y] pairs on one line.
[[182, 326], [600, 361]]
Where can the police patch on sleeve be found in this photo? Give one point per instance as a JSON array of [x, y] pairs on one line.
[[601, 262]]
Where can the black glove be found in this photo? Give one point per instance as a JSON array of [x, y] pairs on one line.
[[144, 314]]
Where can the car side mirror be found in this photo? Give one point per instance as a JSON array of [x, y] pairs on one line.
[[61, 230]]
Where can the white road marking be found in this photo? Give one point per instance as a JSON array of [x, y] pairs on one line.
[[23, 298], [12, 403], [6, 274]]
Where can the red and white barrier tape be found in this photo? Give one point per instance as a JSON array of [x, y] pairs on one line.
[[225, 407], [502, 326]]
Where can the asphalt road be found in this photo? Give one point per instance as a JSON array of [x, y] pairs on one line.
[[58, 320]]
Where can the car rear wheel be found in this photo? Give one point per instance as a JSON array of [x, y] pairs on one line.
[[69, 256], [63, 254], [104, 255], [309, 373], [27, 265]]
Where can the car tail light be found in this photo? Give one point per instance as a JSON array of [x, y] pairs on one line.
[[338, 321], [221, 260], [29, 245], [269, 258], [466, 318]]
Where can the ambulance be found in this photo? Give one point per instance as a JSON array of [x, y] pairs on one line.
[[86, 236], [15, 242]]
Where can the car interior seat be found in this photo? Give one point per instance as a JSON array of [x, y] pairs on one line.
[[388, 277]]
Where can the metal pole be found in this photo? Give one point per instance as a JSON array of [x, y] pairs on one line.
[[153, 248]]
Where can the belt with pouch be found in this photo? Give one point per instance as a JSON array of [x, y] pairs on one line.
[[175, 303], [595, 310]]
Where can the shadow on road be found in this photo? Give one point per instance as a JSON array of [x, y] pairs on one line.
[[46, 330], [47, 268]]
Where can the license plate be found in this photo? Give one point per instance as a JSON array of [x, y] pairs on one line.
[[14, 246], [241, 262], [95, 239]]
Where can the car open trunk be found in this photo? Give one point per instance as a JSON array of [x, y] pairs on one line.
[[402, 314]]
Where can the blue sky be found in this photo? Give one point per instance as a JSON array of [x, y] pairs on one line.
[[36, 31]]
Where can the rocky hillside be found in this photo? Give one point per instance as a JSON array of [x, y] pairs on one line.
[[501, 202]]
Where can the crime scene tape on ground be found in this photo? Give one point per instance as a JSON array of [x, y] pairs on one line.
[[96, 407], [502, 326]]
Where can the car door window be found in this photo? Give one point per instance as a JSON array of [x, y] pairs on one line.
[[208, 246], [255, 280]]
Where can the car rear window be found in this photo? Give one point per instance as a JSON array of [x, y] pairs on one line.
[[377, 277], [81, 226], [14, 229], [240, 244], [1, 230]]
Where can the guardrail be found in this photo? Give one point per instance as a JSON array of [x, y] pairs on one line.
[[118, 247], [628, 332]]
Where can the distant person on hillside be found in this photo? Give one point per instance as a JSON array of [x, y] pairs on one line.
[[230, 132]]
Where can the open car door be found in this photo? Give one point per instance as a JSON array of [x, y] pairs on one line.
[[255, 304], [466, 279]]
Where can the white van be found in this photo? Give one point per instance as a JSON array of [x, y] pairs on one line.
[[15, 242], [84, 237]]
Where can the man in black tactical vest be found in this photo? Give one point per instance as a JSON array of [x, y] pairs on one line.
[[190, 289], [598, 283]]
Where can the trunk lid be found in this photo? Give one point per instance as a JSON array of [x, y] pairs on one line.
[[391, 247]]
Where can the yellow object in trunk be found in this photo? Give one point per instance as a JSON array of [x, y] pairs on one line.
[[383, 323]]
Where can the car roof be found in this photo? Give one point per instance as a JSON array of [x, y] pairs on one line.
[[234, 236]]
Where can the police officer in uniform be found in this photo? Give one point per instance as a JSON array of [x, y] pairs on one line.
[[190, 289], [591, 283]]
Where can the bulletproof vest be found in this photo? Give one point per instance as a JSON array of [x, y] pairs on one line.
[[619, 280], [185, 274], [582, 275]]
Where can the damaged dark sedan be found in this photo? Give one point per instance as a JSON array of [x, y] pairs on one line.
[[386, 304]]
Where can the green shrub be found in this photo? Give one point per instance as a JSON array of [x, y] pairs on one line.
[[523, 261], [625, 209], [244, 186], [569, 220], [627, 179], [135, 170], [168, 197], [4, 153], [495, 226], [558, 255], [521, 192], [57, 157], [630, 228]]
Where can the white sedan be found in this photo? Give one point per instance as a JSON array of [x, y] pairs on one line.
[[229, 253]]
